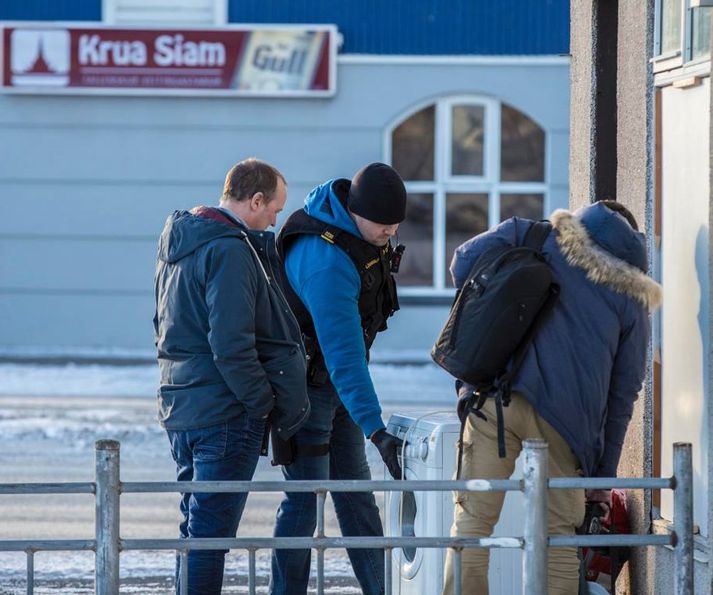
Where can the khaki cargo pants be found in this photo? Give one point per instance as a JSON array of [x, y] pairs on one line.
[[476, 513]]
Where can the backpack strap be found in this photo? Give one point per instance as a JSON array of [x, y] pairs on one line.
[[354, 247], [536, 235], [466, 405], [534, 239]]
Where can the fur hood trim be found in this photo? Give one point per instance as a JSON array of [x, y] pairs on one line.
[[602, 267]]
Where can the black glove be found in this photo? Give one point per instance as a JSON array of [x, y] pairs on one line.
[[389, 447]]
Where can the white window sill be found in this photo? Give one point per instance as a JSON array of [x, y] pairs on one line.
[[701, 552], [699, 68]]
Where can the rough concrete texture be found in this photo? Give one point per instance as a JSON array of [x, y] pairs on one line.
[[662, 560], [635, 105], [634, 184], [582, 45], [635, 190]]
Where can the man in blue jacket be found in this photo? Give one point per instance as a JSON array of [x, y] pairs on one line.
[[229, 350], [338, 263], [577, 385]]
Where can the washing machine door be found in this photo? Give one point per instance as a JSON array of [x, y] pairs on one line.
[[405, 520]]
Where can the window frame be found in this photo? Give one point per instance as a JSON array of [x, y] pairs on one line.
[[444, 183], [683, 56], [705, 57]]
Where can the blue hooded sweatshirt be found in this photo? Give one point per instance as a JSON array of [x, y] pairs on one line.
[[327, 282], [587, 362]]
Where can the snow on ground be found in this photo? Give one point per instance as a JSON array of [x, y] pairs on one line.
[[50, 417], [425, 384]]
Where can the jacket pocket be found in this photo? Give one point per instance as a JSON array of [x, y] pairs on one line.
[[286, 370]]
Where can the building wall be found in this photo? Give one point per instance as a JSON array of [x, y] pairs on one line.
[[634, 188], [685, 320], [582, 42], [51, 10], [86, 182], [502, 27], [484, 27], [684, 262]]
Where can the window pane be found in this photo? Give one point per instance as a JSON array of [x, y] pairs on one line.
[[467, 137], [670, 26], [701, 31], [529, 206], [412, 146], [416, 233], [466, 216], [522, 150]]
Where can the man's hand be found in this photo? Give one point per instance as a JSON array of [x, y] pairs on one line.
[[388, 447], [602, 496]]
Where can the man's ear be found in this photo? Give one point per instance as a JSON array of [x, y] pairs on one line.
[[256, 200]]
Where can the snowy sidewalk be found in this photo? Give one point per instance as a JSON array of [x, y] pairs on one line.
[[50, 417]]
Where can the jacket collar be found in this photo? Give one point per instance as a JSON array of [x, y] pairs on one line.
[[602, 267]]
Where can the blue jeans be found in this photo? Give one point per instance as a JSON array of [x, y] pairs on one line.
[[357, 513], [227, 451]]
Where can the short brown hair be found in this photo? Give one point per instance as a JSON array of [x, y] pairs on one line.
[[250, 176]]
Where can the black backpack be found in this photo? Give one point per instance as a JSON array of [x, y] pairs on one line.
[[493, 320]]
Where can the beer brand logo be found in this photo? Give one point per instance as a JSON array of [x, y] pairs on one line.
[[280, 60], [40, 57]]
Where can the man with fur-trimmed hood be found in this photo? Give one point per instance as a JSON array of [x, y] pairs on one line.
[[578, 382]]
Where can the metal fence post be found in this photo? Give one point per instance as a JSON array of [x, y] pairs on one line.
[[458, 571], [30, 572], [321, 498], [534, 560], [106, 573], [683, 517], [388, 571]]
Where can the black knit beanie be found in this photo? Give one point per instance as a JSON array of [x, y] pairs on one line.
[[377, 193]]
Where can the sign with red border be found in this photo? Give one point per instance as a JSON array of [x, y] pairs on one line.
[[268, 61]]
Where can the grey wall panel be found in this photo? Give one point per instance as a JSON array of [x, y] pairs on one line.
[[76, 320], [368, 95], [129, 210], [115, 266], [176, 155]]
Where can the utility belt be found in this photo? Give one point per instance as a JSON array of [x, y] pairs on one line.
[[284, 452]]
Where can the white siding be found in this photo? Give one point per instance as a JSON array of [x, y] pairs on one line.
[[685, 317]]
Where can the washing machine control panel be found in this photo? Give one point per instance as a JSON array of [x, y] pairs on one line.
[[416, 442]]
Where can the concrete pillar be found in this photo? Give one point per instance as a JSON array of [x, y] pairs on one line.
[[581, 122]]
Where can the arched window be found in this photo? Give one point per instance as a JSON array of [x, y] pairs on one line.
[[468, 163]]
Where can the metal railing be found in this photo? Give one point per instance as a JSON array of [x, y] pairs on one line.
[[535, 542]]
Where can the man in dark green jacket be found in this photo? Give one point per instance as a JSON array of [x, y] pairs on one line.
[[229, 350]]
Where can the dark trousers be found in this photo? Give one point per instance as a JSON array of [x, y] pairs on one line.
[[229, 452], [357, 513]]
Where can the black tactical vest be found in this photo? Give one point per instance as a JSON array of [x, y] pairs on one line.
[[377, 300]]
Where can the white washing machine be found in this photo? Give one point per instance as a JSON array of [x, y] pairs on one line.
[[430, 454]]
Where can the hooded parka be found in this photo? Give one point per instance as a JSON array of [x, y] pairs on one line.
[[227, 341], [586, 364]]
